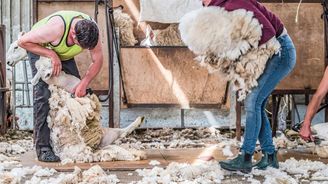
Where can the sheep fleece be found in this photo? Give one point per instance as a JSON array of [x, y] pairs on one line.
[[125, 24], [229, 43], [76, 131]]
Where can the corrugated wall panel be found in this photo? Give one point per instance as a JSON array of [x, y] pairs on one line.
[[17, 16]]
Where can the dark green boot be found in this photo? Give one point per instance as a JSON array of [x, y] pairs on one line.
[[267, 160], [243, 163]]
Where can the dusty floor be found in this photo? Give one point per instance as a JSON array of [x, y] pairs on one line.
[[188, 147]]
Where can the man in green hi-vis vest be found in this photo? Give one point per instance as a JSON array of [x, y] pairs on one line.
[[60, 36]]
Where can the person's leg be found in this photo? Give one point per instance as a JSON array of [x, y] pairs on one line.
[[41, 94], [287, 63], [276, 69], [265, 136], [253, 106]]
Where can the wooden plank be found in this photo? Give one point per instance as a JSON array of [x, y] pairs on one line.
[[3, 112], [83, 59], [168, 76], [29, 159], [307, 35], [165, 157], [309, 30]]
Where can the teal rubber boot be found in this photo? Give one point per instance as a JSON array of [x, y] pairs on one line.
[[267, 160], [243, 163]]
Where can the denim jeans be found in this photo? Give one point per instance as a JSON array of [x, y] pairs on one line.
[[41, 95], [257, 122]]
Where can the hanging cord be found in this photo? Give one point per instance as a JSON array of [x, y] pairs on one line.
[[111, 32], [117, 50], [110, 51], [97, 2], [297, 12]]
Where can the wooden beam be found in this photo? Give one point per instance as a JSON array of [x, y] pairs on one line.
[[35, 11], [3, 114]]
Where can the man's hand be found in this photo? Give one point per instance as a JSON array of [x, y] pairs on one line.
[[56, 65], [305, 132], [80, 89]]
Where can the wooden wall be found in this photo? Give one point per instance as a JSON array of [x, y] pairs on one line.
[[84, 59], [156, 75], [308, 37], [169, 76]]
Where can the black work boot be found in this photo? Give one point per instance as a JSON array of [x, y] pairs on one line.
[[47, 155], [243, 163], [267, 160]]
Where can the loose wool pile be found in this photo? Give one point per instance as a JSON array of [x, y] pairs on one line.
[[76, 131], [125, 24], [202, 173], [228, 42], [39, 175], [169, 138], [169, 36]]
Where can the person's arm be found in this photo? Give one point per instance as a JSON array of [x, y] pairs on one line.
[[93, 70], [314, 105], [47, 33]]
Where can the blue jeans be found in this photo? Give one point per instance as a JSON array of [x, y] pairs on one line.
[[257, 122]]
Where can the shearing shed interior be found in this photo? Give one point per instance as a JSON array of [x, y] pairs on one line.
[[169, 92]]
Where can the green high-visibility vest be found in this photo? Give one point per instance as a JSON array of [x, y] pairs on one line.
[[64, 51]]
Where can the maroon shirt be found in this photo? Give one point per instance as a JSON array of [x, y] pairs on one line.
[[272, 25]]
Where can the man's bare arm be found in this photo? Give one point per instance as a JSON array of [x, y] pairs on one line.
[[93, 70], [47, 33], [312, 108]]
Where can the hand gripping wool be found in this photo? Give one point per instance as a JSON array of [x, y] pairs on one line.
[[229, 43]]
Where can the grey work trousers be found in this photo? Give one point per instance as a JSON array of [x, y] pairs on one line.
[[41, 95]]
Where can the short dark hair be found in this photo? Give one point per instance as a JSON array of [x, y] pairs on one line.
[[87, 33]]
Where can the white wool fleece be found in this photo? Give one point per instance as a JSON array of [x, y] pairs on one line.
[[229, 43]]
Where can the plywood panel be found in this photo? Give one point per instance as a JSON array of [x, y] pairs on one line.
[[308, 37], [84, 59], [165, 157], [168, 76], [29, 159]]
